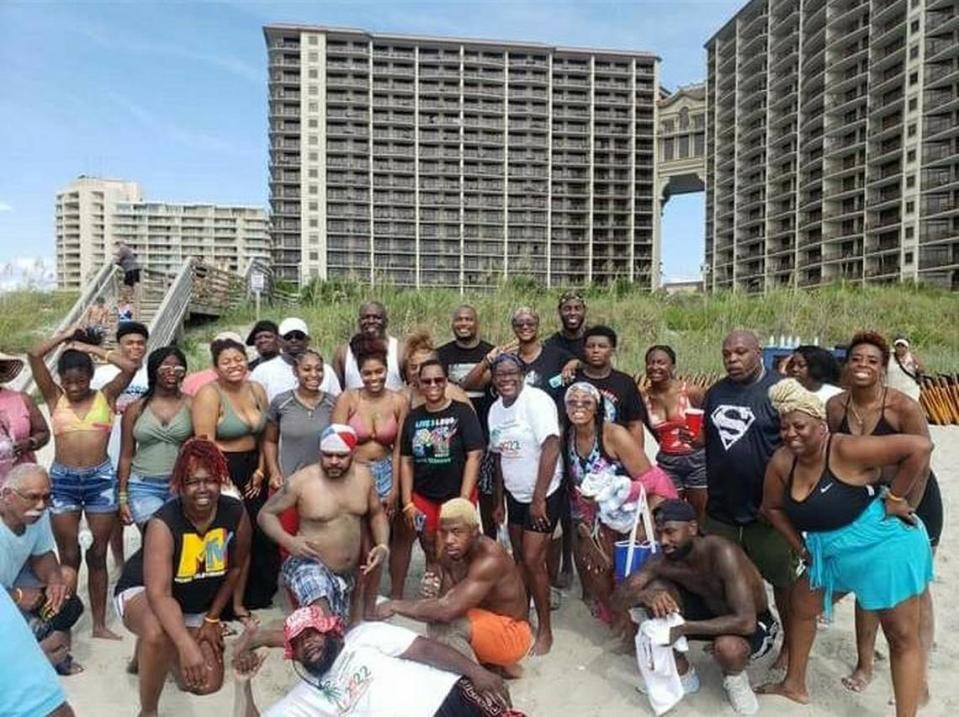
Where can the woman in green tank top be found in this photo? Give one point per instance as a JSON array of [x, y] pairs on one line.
[[153, 429]]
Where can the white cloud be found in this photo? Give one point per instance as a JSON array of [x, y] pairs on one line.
[[5, 207]]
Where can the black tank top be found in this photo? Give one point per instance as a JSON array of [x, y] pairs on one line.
[[200, 562], [832, 504], [883, 427]]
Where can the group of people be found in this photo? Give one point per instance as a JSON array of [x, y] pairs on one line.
[[508, 465]]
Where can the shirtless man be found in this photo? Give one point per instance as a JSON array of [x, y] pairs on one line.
[[332, 498], [479, 604], [719, 593]]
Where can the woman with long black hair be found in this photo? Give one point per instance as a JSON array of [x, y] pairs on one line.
[[153, 429]]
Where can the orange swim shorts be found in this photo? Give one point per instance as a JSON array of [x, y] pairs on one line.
[[497, 639]]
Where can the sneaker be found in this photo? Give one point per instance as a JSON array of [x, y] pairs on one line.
[[740, 694], [689, 681]]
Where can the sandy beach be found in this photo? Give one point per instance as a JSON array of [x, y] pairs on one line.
[[588, 673]]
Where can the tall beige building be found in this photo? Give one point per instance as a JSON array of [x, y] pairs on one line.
[[832, 147], [453, 162], [93, 214]]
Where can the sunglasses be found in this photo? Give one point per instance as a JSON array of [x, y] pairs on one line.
[[178, 370], [33, 498], [525, 324], [294, 336], [433, 381]]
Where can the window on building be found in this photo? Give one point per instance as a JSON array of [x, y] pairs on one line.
[[911, 180], [668, 126], [683, 147], [914, 52], [914, 26], [314, 256], [313, 189], [314, 156], [314, 224], [914, 78], [911, 155], [314, 206], [313, 57], [314, 90], [910, 232], [684, 118], [312, 39], [908, 258], [313, 74], [313, 107], [910, 207], [698, 148], [313, 173], [314, 238], [668, 148], [699, 121], [913, 104], [911, 130]]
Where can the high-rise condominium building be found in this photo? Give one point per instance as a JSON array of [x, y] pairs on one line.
[[833, 144], [92, 214], [452, 162]]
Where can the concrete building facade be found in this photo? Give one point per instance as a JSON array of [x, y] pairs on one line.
[[681, 144], [832, 150], [93, 214], [453, 162]]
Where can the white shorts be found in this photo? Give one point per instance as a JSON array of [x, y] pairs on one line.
[[121, 599]]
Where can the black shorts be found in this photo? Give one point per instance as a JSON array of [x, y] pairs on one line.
[[518, 513], [930, 510], [464, 701], [760, 642], [131, 278]]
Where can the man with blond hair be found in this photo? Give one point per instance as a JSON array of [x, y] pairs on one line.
[[478, 604]]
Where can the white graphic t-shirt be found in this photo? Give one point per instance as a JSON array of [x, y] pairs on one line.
[[517, 434], [370, 679], [138, 386]]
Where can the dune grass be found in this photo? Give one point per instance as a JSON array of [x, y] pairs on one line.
[[694, 324], [27, 316]]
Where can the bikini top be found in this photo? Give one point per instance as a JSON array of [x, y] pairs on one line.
[[666, 429], [231, 426], [830, 505], [383, 432], [883, 427], [98, 418], [597, 461]]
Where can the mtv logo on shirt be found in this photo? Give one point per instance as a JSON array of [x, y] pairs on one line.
[[732, 422]]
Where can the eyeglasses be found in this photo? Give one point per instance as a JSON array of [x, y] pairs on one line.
[[294, 336], [439, 381], [178, 370], [525, 324], [34, 498]]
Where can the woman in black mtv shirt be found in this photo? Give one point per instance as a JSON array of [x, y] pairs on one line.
[[173, 589], [441, 447]]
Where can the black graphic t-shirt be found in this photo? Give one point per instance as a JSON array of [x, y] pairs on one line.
[[576, 347], [742, 433], [438, 444], [621, 397], [459, 362]]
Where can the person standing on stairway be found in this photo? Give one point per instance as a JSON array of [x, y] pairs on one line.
[[126, 259]]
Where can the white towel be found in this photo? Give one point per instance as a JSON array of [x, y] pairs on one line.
[[657, 664]]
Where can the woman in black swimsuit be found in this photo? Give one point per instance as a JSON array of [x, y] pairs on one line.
[[870, 408]]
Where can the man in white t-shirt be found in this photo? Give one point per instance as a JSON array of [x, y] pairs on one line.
[[372, 322], [374, 670], [279, 373], [132, 337], [524, 439]]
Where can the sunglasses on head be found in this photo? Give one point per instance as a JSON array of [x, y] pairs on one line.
[[294, 336]]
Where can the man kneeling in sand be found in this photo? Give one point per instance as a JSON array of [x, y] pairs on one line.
[[480, 604], [718, 592], [332, 498]]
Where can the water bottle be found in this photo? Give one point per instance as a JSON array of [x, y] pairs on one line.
[[85, 538], [556, 381]]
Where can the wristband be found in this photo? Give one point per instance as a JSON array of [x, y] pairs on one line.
[[895, 498], [211, 620]]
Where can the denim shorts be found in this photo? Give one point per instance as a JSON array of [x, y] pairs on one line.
[[146, 495], [382, 471], [687, 470], [91, 489]]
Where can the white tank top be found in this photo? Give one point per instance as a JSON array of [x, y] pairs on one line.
[[351, 372]]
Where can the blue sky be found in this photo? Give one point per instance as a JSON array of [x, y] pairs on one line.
[[173, 95]]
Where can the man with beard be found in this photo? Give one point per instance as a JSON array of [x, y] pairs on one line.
[[716, 589], [372, 322], [277, 375], [265, 336], [741, 431], [572, 315], [373, 670], [478, 604], [332, 499], [460, 357]]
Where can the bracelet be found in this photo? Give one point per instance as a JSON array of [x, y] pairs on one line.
[[106, 356], [19, 597], [211, 620], [895, 498], [384, 546], [123, 499]]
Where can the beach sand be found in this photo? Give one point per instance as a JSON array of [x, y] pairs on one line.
[[588, 673]]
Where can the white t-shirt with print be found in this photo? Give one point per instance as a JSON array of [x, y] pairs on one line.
[[277, 376], [517, 433], [137, 387], [370, 679]]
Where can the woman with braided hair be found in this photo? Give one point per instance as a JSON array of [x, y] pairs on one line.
[[821, 492], [173, 590]]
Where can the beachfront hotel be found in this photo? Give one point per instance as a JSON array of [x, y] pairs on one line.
[[92, 214], [832, 144], [454, 162]]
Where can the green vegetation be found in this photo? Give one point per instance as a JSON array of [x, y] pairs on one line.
[[694, 324], [28, 315]]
